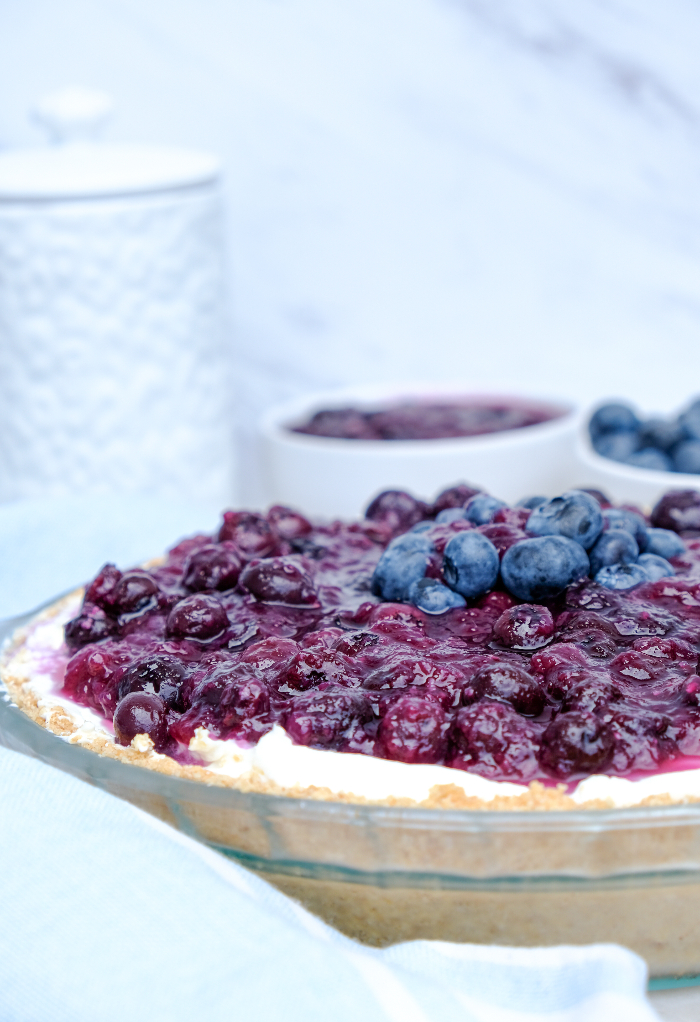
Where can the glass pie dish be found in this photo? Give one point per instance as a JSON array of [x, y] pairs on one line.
[[383, 874]]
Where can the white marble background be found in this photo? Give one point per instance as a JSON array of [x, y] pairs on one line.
[[505, 192]]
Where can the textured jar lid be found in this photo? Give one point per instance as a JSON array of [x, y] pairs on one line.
[[77, 167]]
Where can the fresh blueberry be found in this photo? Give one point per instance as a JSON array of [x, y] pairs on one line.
[[617, 446], [656, 567], [403, 562], [482, 508], [661, 433], [537, 569], [532, 502], [665, 543], [621, 518], [432, 597], [451, 514], [422, 527], [617, 546], [686, 457], [621, 576], [471, 563], [690, 420], [650, 458], [575, 515], [613, 418]]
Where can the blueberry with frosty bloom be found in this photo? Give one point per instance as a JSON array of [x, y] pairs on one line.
[[621, 576], [655, 567], [481, 508], [432, 597], [617, 546], [470, 564], [664, 543], [575, 515], [404, 562], [623, 518], [537, 569]]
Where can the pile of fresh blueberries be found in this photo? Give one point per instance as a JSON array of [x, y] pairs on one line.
[[535, 550], [664, 445]]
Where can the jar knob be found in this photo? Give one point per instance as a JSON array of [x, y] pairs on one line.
[[73, 114]]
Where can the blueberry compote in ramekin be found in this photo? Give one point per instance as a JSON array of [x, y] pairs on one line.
[[540, 643]]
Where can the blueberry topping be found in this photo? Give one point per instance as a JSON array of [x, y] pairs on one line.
[[470, 565], [575, 515], [92, 625], [576, 743], [197, 617], [678, 510], [655, 567], [537, 569], [509, 684], [664, 543], [404, 562], [481, 508], [414, 730], [526, 626], [322, 716], [216, 566], [432, 597], [252, 533], [617, 546], [279, 580], [396, 510], [141, 713], [160, 674], [454, 496], [621, 576]]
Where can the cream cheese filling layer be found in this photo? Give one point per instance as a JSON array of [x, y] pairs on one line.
[[288, 765]]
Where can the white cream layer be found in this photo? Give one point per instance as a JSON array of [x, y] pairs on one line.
[[290, 765]]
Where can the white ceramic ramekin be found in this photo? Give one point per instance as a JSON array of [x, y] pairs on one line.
[[337, 478], [624, 483]]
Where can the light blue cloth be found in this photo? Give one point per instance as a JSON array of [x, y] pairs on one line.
[[108, 915]]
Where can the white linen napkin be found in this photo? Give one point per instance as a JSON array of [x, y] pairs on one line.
[[107, 915]]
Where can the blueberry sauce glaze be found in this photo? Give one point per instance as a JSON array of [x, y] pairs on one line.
[[424, 421], [275, 621]]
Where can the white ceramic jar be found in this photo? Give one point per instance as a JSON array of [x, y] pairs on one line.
[[338, 478], [113, 359]]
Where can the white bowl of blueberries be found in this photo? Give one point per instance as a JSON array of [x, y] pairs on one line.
[[533, 550], [636, 458]]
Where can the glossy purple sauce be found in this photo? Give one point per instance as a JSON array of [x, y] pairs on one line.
[[273, 621], [425, 421]]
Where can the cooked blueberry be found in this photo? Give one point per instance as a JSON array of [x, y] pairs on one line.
[[252, 534], [396, 509], [91, 625], [470, 565], [532, 502], [287, 523], [323, 715], [690, 420], [677, 510], [197, 617], [655, 567], [451, 514], [650, 458], [432, 597], [493, 740], [614, 417], [664, 543], [507, 683], [575, 515], [141, 713], [157, 673], [403, 562], [481, 508], [216, 566], [621, 576], [102, 588], [576, 743], [616, 446], [454, 496], [686, 457], [414, 730], [279, 580], [617, 546], [526, 626], [134, 592], [537, 569]]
